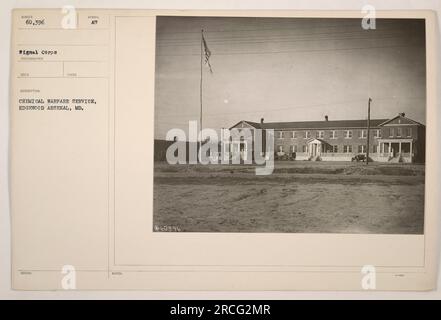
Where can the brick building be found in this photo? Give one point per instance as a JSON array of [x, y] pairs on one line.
[[398, 139]]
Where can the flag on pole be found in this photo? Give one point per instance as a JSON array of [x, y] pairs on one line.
[[207, 53]]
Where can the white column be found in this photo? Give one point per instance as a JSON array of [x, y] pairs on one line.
[[399, 149], [245, 151], [411, 159]]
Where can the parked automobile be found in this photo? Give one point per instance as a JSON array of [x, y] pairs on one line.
[[284, 156], [359, 157]]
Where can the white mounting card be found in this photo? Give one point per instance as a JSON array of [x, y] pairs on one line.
[[98, 95]]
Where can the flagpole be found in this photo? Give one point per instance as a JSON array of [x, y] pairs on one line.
[[200, 85], [200, 96]]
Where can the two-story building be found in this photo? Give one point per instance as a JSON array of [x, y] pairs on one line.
[[399, 139]]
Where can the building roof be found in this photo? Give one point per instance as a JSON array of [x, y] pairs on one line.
[[316, 124], [402, 117]]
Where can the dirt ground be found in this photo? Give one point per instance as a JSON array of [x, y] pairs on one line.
[[301, 197]]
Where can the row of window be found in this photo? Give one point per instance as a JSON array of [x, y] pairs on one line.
[[400, 132], [329, 149], [333, 134]]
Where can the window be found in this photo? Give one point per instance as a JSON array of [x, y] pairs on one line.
[[319, 134], [391, 132], [347, 149], [374, 148], [398, 132], [293, 135], [348, 134], [304, 149], [280, 134], [408, 132], [333, 149], [280, 148], [362, 134], [377, 133], [307, 135], [361, 148], [332, 134], [293, 149]]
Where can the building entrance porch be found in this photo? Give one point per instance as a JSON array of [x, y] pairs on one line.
[[396, 149], [316, 148]]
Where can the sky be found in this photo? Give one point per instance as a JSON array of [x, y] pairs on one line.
[[287, 69]]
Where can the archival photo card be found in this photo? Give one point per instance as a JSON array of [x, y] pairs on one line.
[[223, 150], [289, 125]]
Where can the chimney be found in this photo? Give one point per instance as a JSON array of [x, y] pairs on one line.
[[402, 114], [326, 117], [261, 120]]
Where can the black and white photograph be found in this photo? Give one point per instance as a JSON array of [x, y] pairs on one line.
[[332, 111], [222, 152]]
